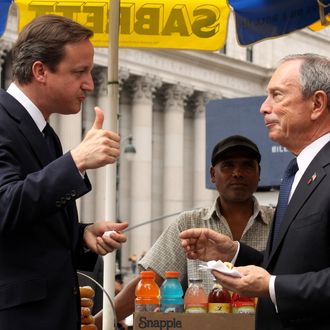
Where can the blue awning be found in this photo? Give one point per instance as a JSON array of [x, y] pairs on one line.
[[259, 19], [4, 8]]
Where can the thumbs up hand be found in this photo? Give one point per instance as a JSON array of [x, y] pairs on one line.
[[100, 147], [99, 118]]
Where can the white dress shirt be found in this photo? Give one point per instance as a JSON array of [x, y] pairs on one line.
[[30, 107]]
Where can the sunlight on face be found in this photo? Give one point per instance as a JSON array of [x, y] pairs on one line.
[[285, 111], [68, 85]]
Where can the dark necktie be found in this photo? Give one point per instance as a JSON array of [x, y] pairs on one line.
[[49, 136], [283, 197]]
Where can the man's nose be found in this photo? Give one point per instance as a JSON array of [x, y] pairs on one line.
[[265, 107], [237, 171], [88, 84]]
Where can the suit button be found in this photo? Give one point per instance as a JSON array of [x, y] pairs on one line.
[[73, 193], [67, 197], [63, 200], [58, 204], [75, 290]]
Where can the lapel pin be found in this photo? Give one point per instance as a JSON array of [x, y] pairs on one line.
[[312, 178]]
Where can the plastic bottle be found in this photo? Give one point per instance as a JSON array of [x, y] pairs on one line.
[[219, 299], [243, 305], [147, 293], [171, 294], [195, 299]]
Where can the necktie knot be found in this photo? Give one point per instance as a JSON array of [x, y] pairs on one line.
[[292, 168], [47, 130]]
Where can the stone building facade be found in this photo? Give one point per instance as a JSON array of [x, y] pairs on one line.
[[162, 100]]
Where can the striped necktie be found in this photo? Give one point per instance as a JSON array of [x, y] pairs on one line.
[[284, 194]]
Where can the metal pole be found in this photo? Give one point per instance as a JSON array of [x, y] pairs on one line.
[[110, 191]]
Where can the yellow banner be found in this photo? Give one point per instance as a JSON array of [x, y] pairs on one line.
[[318, 26], [180, 24]]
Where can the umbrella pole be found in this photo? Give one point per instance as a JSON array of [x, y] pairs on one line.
[[111, 122]]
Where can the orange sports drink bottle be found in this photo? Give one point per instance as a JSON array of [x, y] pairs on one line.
[[147, 293]]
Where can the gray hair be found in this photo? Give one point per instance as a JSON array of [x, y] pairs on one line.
[[314, 73]]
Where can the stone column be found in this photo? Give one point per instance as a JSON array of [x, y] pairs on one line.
[[157, 165], [93, 203], [175, 97], [124, 165], [143, 89], [4, 48], [201, 196], [125, 130]]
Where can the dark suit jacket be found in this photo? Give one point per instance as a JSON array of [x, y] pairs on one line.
[[40, 237], [300, 258]]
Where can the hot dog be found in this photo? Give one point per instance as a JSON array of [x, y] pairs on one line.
[[228, 265]]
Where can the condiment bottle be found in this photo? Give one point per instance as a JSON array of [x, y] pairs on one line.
[[242, 305], [219, 299]]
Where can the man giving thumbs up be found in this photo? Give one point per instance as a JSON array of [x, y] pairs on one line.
[[41, 241]]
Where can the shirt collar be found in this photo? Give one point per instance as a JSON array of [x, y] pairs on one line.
[[257, 211], [307, 155], [305, 158], [30, 107]]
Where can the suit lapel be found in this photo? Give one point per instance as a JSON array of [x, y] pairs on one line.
[[27, 127], [312, 177], [36, 141]]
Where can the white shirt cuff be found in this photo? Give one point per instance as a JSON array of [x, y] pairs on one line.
[[272, 291], [235, 256]]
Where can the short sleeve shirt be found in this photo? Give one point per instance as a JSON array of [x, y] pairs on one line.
[[167, 254]]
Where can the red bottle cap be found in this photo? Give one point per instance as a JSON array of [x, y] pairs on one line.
[[172, 274], [147, 274]]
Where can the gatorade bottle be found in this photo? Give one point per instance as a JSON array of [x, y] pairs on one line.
[[147, 293], [219, 299], [195, 299], [243, 305], [171, 294]]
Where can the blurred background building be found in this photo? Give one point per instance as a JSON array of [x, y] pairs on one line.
[[163, 96]]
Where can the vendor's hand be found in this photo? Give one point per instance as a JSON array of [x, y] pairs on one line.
[[101, 244], [206, 244], [253, 283], [100, 147]]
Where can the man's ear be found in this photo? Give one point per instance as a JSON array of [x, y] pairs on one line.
[[39, 71], [320, 104], [212, 170]]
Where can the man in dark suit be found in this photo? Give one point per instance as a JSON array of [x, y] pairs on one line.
[[41, 242], [294, 284]]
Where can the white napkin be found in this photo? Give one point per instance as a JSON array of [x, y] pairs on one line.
[[108, 233], [220, 267]]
